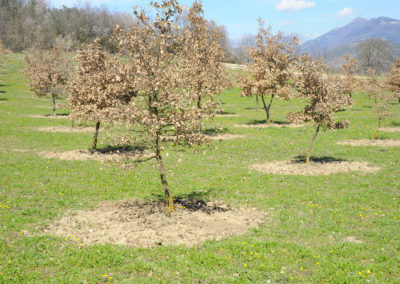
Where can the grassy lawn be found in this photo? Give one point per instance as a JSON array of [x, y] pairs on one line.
[[310, 217]]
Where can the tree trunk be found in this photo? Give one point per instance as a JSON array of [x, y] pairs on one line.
[[168, 195], [72, 123], [258, 106], [308, 154], [268, 108], [200, 118], [96, 134], [53, 99], [380, 123]]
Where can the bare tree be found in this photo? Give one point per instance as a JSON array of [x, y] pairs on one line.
[[47, 72], [374, 53], [166, 107], [271, 62], [349, 68], [99, 84], [393, 82], [323, 98]]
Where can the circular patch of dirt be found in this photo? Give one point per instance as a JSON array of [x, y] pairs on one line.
[[389, 129], [78, 155], [145, 224], [376, 142], [226, 115], [313, 168], [66, 129], [219, 137], [271, 125], [50, 116]]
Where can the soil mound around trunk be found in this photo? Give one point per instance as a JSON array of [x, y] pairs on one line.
[[219, 137], [48, 116], [313, 168], [66, 129], [145, 224], [376, 142], [271, 125], [101, 156]]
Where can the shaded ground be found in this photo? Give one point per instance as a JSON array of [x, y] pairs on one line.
[[315, 168], [145, 224], [367, 142]]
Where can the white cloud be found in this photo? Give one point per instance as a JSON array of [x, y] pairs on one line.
[[293, 5], [345, 12]]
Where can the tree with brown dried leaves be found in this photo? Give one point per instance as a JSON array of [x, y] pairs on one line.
[[323, 98], [47, 72], [98, 86], [271, 63], [202, 61], [375, 90], [393, 82], [166, 107], [349, 68]]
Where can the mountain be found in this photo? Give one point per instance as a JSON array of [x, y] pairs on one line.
[[358, 30]]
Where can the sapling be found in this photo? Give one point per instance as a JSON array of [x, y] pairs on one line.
[[166, 107], [270, 69], [376, 90], [99, 84], [349, 68], [47, 72], [203, 56], [393, 82], [323, 98]]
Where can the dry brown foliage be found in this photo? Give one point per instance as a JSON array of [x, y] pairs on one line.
[[323, 98], [272, 61], [98, 86], [375, 89], [47, 72], [202, 61], [393, 82], [349, 68], [172, 73]]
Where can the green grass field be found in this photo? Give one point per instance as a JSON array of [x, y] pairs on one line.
[[309, 216]]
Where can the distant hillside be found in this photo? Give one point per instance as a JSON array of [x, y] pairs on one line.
[[358, 30]]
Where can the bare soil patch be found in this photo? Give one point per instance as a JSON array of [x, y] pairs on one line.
[[352, 239], [145, 224], [376, 142], [313, 168], [389, 129], [219, 137], [66, 129], [226, 115], [271, 125], [112, 156], [50, 116]]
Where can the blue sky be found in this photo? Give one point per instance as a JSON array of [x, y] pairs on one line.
[[308, 18]]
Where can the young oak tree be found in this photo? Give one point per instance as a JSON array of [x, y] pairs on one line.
[[47, 72], [323, 98], [270, 69], [375, 90], [202, 61], [98, 86], [349, 68], [167, 102], [393, 82]]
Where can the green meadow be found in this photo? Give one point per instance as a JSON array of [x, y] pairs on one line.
[[341, 228]]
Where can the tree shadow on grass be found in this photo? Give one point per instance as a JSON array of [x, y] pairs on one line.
[[301, 159], [3, 99], [194, 201], [117, 149], [222, 112], [395, 123], [2, 92]]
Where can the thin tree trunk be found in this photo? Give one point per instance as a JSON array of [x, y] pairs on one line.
[[308, 154], [258, 105], [168, 195], [53, 99], [380, 123], [96, 134], [200, 118], [72, 123], [268, 108]]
